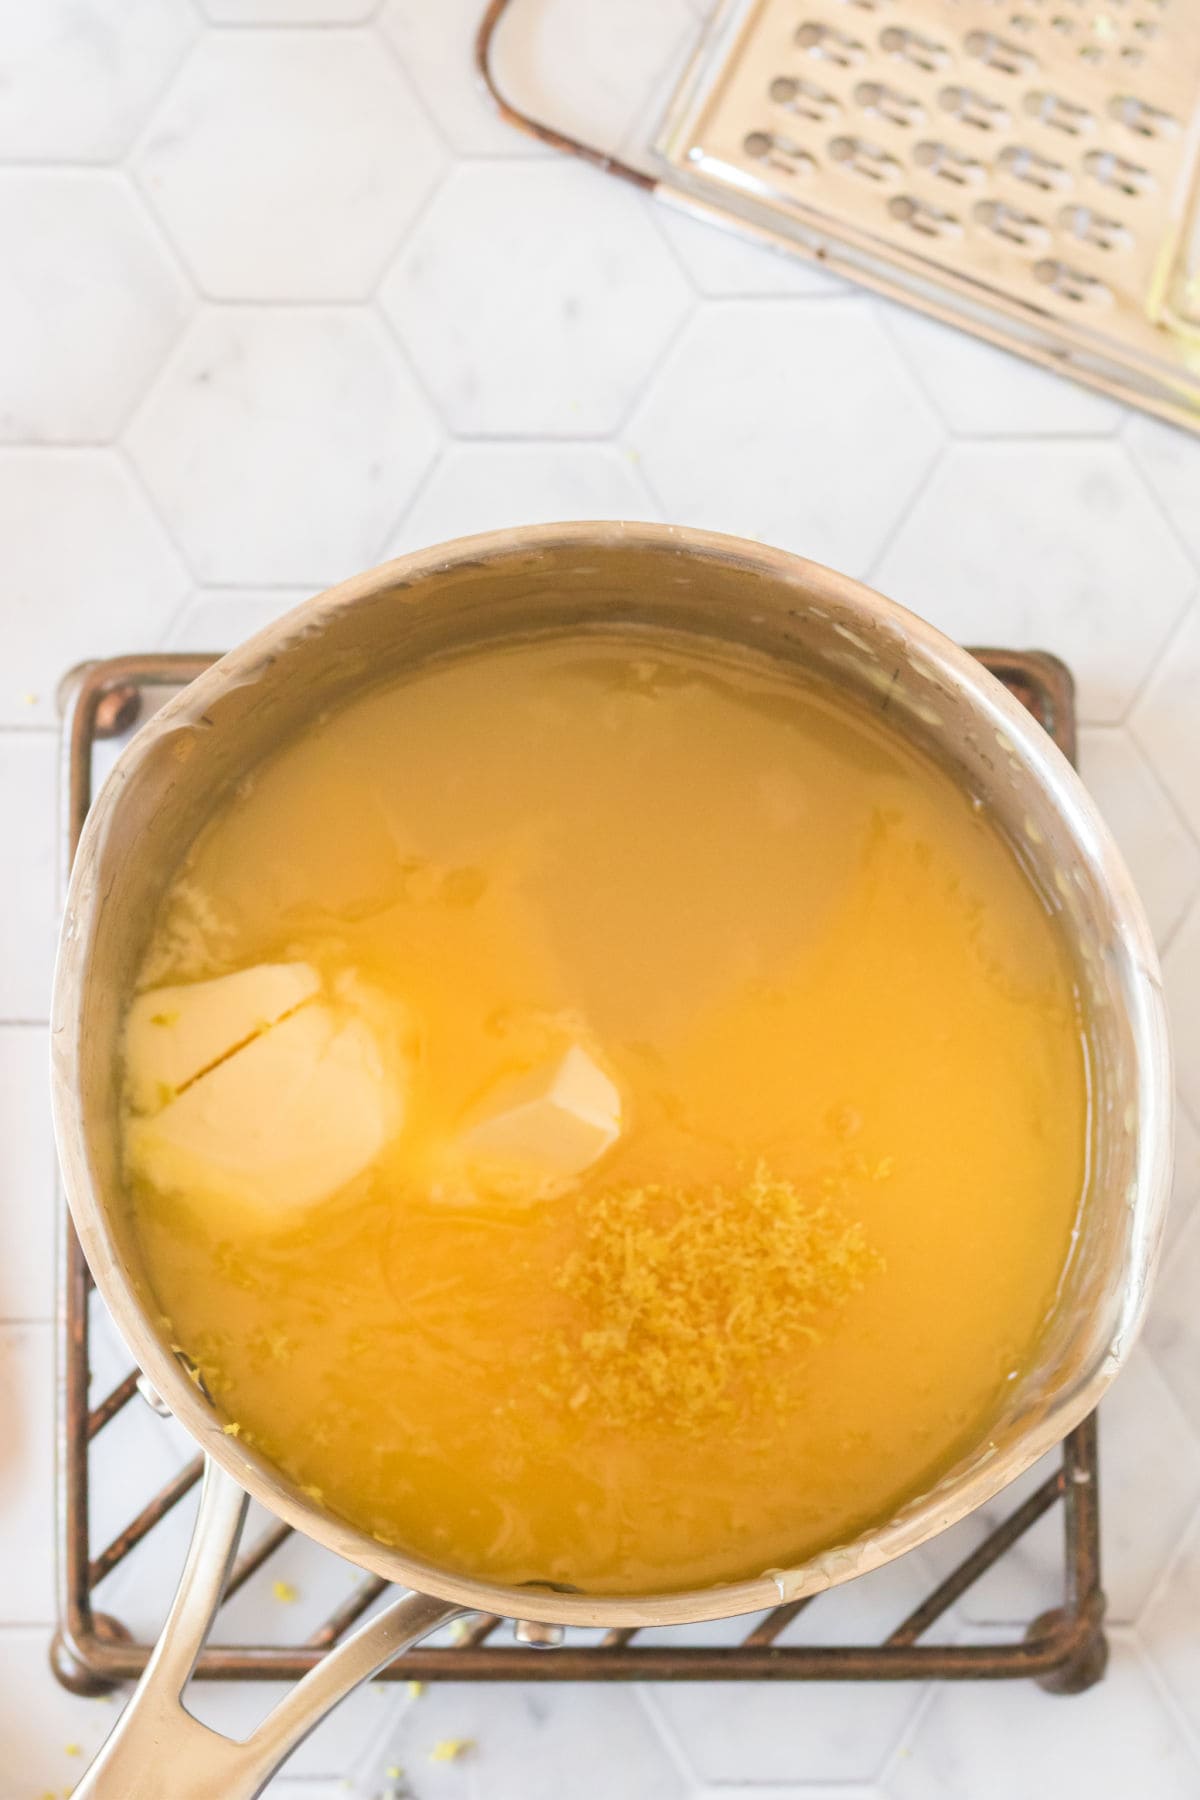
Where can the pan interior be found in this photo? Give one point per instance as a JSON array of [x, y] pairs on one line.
[[817, 1251]]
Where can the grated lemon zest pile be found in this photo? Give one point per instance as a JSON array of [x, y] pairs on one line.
[[686, 1297]]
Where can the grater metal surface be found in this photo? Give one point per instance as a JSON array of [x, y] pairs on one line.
[[1025, 169]]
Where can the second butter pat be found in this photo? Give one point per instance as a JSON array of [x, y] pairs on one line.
[[534, 1133]]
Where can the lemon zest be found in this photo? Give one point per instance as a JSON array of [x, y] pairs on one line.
[[684, 1298]]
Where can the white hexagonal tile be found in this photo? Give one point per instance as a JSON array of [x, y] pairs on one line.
[[436, 44], [865, 1610], [1181, 973], [1164, 719], [1186, 1189], [593, 72], [315, 1583], [756, 424], [288, 12], [80, 76], [343, 1743], [984, 392], [1173, 1325], [790, 1791], [586, 69], [280, 444], [730, 265], [541, 1741], [1053, 545], [1170, 461], [785, 1731], [1168, 1630], [826, 1731], [28, 903], [49, 1735], [85, 568], [28, 1175], [993, 1740], [287, 164], [89, 304], [1145, 1447], [479, 487], [219, 618], [521, 322], [26, 1472], [1161, 852]]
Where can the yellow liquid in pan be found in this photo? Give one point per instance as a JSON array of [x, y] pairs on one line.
[[850, 1054]]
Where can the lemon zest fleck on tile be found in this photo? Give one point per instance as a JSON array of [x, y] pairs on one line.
[[415, 1689], [450, 1749], [284, 1592]]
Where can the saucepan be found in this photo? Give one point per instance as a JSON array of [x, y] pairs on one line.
[[594, 578]]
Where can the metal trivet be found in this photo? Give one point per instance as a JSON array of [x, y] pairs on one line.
[[1064, 1649], [1024, 169]]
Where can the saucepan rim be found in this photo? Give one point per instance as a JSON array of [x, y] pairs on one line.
[[815, 587]]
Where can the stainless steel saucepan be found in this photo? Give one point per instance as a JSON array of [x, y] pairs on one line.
[[595, 578]]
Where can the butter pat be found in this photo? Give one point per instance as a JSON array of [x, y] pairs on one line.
[[172, 1034], [282, 1123], [535, 1133]]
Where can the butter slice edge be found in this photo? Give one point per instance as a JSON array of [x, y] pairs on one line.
[[172, 1033]]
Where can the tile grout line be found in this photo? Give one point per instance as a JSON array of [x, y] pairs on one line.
[[875, 563]]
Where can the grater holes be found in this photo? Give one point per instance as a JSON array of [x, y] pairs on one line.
[[805, 98], [1091, 227], [833, 46], [1063, 25], [889, 103], [996, 52], [1037, 171], [863, 158], [1114, 171], [1090, 53], [1146, 29], [1072, 284], [1010, 223], [1140, 117], [1131, 56], [920, 216], [1059, 114], [911, 47], [947, 163], [779, 153], [1023, 22], [970, 107]]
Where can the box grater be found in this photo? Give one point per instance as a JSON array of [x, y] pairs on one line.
[[1025, 169]]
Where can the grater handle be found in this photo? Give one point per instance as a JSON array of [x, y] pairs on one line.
[[158, 1751]]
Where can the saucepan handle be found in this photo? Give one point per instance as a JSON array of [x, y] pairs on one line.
[[158, 1751]]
